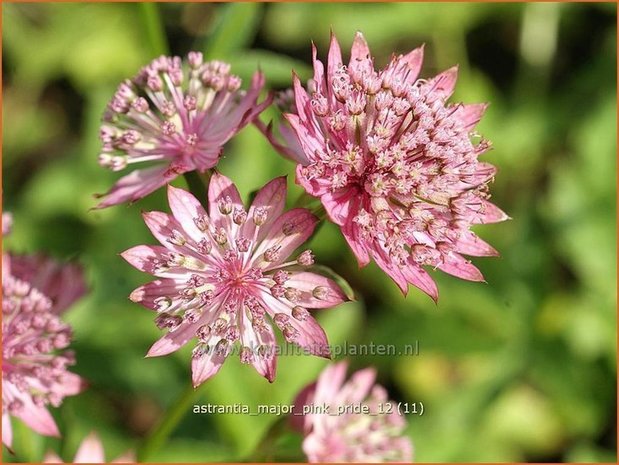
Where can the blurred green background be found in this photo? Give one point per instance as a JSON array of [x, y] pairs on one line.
[[520, 369]]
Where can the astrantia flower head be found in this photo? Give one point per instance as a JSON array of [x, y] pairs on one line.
[[394, 165], [176, 115], [90, 451], [34, 359], [62, 283], [343, 436], [227, 274]]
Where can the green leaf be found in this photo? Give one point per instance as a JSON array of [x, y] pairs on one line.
[[153, 27], [236, 29]]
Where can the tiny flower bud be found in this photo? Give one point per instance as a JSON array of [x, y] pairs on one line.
[[306, 258]]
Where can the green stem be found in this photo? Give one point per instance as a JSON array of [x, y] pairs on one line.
[[160, 433], [153, 27]]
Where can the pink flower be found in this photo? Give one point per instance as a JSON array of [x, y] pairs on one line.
[[394, 165], [346, 433], [90, 451], [284, 140], [62, 283], [7, 223], [177, 116], [34, 362], [223, 272]]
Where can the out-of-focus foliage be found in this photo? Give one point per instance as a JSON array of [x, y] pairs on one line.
[[520, 369]]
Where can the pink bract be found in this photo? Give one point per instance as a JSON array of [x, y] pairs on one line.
[[395, 166], [34, 359], [351, 437], [91, 451], [176, 116], [224, 274]]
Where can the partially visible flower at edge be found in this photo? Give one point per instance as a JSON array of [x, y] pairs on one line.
[[175, 115], [34, 359], [394, 165], [90, 451], [62, 283], [224, 274], [351, 437], [7, 223]]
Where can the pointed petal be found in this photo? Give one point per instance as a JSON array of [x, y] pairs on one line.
[[148, 293], [287, 232], [186, 208], [163, 227], [323, 391], [458, 266], [310, 143], [7, 430], [257, 83], [299, 225], [37, 418], [334, 61], [265, 364], [359, 53], [421, 279], [290, 148], [414, 61], [394, 272], [71, 384], [484, 172], [470, 244], [443, 85], [307, 282], [271, 197], [222, 188], [90, 450], [359, 386], [311, 335], [172, 341], [145, 257], [206, 365], [302, 100], [330, 382], [357, 245], [135, 185], [319, 71], [490, 213], [470, 115]]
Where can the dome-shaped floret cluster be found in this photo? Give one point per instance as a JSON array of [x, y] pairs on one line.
[[34, 359], [175, 115], [225, 276], [361, 425], [395, 166]]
